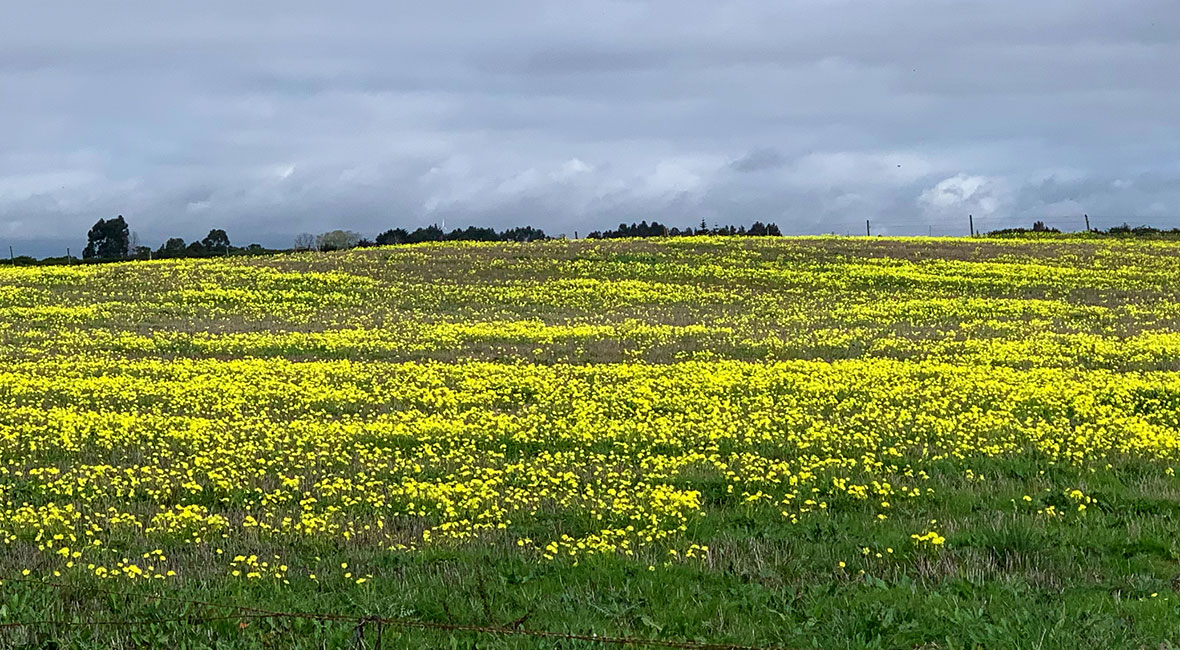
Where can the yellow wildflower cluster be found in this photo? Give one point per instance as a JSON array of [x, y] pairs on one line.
[[929, 538], [565, 400]]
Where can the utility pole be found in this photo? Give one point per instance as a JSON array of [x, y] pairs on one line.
[[868, 230], [971, 224], [1087, 217]]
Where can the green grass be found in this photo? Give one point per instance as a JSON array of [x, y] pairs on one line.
[[1008, 579]]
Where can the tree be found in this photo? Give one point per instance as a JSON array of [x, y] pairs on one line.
[[174, 247], [108, 239], [216, 241], [472, 233], [336, 240], [304, 241], [523, 234], [392, 237], [430, 233]]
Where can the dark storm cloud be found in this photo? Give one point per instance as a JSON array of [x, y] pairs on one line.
[[271, 118]]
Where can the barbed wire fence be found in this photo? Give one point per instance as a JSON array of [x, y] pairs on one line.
[[969, 225], [213, 612]]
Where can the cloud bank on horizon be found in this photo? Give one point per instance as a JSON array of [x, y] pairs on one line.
[[272, 118]]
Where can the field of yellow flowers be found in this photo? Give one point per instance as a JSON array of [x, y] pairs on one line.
[[833, 442]]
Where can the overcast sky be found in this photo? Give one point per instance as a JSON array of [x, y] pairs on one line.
[[271, 118]]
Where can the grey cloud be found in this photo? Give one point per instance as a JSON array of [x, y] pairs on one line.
[[273, 118], [758, 159]]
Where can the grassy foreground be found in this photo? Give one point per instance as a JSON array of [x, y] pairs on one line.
[[806, 442]]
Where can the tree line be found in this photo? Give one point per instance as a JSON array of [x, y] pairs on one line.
[[344, 239], [112, 239], [656, 229], [1125, 230]]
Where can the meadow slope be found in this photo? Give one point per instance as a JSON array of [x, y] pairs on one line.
[[809, 442]]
